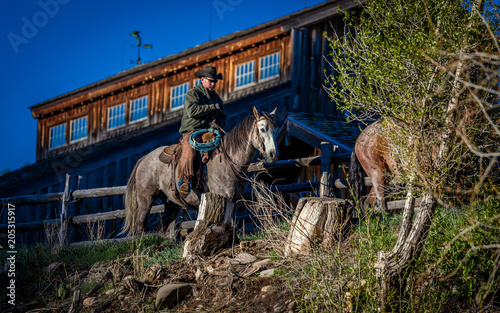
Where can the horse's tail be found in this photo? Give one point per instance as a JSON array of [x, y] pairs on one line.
[[356, 179], [130, 202]]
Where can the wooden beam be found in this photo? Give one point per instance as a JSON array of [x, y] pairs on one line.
[[76, 220], [112, 215], [57, 197], [327, 150], [98, 192], [63, 230], [33, 199], [300, 162]]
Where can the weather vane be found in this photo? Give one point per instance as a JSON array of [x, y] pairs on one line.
[[135, 34]]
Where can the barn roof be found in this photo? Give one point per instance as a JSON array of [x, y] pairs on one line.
[[316, 128], [296, 19]]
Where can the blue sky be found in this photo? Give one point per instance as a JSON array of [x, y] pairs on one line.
[[50, 47]]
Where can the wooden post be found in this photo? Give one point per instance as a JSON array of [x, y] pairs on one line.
[[325, 188], [317, 220], [213, 229], [64, 212]]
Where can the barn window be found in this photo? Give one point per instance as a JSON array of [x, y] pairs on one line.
[[197, 82], [269, 66], [79, 128], [139, 109], [57, 135], [116, 116], [178, 95], [245, 74]]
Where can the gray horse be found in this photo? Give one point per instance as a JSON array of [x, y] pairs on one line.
[[152, 179]]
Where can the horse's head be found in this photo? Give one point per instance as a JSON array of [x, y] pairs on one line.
[[264, 137]]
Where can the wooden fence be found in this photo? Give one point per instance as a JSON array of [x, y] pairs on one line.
[[324, 186]]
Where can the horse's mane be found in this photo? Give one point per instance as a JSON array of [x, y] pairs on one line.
[[238, 136]]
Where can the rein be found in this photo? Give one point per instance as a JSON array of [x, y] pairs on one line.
[[232, 165], [229, 161]]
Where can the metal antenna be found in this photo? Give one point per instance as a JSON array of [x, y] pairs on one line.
[[139, 45]]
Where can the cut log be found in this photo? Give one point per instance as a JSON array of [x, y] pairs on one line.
[[317, 221], [213, 229]]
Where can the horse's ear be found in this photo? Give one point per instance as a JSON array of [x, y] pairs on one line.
[[274, 111], [256, 113]]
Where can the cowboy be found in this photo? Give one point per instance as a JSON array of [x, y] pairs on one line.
[[203, 108]]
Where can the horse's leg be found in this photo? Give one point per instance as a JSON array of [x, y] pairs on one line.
[[370, 198], [377, 193], [171, 210], [374, 166], [145, 199]]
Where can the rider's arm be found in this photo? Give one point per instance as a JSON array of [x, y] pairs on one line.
[[194, 106]]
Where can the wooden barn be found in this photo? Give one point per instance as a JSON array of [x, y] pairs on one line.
[[97, 133]]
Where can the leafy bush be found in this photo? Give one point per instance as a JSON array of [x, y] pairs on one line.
[[463, 249]]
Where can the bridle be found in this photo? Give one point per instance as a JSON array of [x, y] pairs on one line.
[[261, 144]]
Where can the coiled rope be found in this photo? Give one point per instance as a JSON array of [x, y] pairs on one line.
[[204, 146]]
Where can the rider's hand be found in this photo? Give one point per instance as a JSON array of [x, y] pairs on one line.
[[217, 106]]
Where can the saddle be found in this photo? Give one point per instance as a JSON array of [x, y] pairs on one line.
[[188, 162], [176, 150], [169, 152]]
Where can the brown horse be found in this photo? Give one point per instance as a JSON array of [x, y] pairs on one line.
[[151, 179], [374, 154]]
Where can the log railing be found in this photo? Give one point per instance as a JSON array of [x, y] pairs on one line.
[[324, 186]]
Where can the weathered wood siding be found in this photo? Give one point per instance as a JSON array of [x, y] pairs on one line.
[[156, 83]]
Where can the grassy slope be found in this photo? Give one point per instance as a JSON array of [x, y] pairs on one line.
[[450, 276]]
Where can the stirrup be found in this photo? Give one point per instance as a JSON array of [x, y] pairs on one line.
[[182, 188]]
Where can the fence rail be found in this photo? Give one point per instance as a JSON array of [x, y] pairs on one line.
[[324, 186]]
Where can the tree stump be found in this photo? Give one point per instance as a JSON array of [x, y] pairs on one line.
[[318, 221], [213, 228]]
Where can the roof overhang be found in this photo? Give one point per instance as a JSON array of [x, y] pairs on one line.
[[310, 128]]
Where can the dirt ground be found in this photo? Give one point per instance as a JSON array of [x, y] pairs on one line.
[[221, 283]]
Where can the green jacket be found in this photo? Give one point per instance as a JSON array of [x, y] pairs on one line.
[[199, 110]]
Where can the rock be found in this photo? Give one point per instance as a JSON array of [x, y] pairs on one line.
[[268, 288], [53, 266], [243, 258], [267, 273], [261, 264], [198, 274], [110, 291], [291, 306], [278, 308], [76, 277], [171, 294], [87, 302]]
